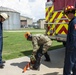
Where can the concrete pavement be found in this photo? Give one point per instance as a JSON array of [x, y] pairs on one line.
[[55, 67]]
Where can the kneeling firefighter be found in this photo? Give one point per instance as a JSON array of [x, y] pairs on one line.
[[41, 44]]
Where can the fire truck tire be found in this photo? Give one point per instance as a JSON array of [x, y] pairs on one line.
[[64, 44]]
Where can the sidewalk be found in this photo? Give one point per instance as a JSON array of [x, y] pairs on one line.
[[55, 67]]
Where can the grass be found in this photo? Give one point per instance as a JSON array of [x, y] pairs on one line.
[[22, 29], [15, 45]]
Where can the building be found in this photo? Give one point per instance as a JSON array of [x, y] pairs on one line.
[[41, 23], [14, 19], [26, 21]]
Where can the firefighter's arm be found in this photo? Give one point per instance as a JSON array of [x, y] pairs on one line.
[[35, 44]]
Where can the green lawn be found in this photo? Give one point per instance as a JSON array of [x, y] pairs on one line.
[[15, 45]]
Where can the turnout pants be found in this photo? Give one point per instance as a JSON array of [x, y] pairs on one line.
[[38, 57]]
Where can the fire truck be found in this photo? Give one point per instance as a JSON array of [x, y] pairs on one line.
[[56, 22]]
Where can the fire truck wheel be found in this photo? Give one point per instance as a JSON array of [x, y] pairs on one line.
[[64, 44]]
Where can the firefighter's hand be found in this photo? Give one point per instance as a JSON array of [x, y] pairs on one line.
[[32, 58], [33, 53]]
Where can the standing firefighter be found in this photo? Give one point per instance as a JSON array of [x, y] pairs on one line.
[[70, 55], [41, 44], [3, 17]]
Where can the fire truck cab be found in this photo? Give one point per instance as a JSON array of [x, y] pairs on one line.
[[56, 22]]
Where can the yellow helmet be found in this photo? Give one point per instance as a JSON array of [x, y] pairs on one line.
[[27, 34]]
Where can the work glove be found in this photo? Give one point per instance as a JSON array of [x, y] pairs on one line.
[[32, 59]]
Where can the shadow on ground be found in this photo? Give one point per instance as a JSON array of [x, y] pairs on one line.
[[28, 52], [20, 65]]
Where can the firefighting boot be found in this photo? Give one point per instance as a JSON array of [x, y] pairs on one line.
[[47, 57], [74, 70]]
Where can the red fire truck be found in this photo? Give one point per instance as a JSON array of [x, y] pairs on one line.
[[56, 22]]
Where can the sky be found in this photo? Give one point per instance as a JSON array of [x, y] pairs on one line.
[[30, 8]]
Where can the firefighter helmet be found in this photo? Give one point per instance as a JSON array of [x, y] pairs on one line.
[[4, 15], [27, 34], [69, 9]]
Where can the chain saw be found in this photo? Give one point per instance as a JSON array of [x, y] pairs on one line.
[[30, 64]]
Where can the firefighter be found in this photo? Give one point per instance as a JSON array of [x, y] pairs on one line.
[[70, 53], [41, 44]]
